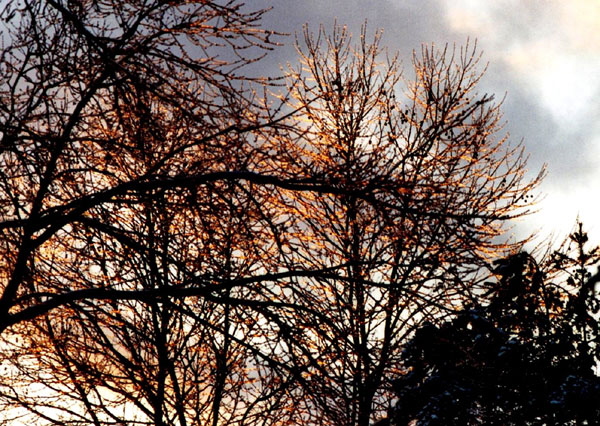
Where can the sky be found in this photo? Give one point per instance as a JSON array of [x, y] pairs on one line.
[[544, 55]]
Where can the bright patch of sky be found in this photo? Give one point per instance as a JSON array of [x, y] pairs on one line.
[[551, 49]]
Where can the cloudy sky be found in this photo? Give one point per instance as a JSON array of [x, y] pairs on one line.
[[543, 54]]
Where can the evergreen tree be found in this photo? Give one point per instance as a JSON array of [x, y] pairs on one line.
[[527, 357]]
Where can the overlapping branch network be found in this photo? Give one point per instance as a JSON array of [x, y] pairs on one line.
[[182, 244]]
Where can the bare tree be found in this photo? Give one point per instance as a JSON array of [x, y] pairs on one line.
[[102, 102], [425, 186], [115, 115], [166, 361], [178, 249]]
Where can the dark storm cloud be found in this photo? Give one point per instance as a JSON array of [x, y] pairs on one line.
[[405, 25]]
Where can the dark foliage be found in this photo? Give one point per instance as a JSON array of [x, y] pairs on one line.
[[527, 357]]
